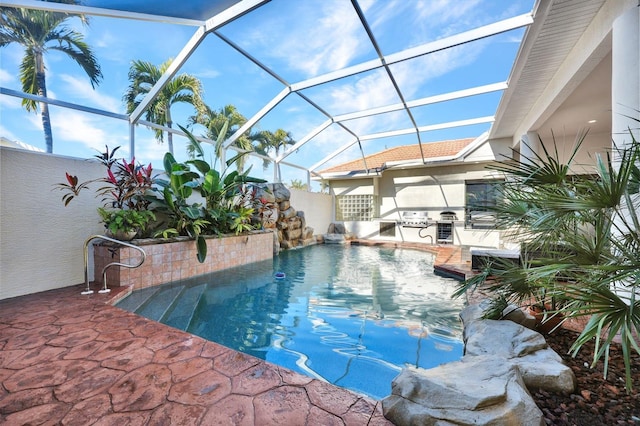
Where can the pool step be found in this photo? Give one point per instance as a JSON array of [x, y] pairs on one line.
[[135, 300], [160, 303], [181, 311]]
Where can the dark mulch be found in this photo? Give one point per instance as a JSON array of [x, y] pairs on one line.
[[597, 401]]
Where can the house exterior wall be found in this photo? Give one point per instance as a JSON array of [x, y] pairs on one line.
[[427, 189]]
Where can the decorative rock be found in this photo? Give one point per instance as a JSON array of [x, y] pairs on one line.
[[293, 234], [504, 338], [540, 366], [308, 233], [334, 239], [280, 192], [336, 228], [287, 214], [478, 390], [544, 369], [284, 204], [519, 316], [265, 193]]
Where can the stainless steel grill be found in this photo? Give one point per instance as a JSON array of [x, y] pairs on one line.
[[415, 220], [447, 217]]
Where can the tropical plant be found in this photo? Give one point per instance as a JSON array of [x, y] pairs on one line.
[[125, 184], [226, 206], [123, 191], [228, 119], [580, 239], [185, 88], [40, 31]]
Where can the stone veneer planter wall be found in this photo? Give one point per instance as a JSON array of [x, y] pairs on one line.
[[175, 259]]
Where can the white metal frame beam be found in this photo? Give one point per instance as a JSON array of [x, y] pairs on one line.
[[424, 49]]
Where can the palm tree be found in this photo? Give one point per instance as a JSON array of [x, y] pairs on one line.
[[214, 122], [39, 31], [185, 88], [268, 141]]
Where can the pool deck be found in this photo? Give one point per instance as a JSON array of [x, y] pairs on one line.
[[76, 360]]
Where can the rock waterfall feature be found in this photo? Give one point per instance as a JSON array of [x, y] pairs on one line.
[[276, 212]]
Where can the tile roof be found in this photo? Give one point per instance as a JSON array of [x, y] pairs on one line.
[[403, 153]]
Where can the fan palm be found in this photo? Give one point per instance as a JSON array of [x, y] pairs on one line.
[[214, 121], [584, 234], [185, 88], [40, 31]]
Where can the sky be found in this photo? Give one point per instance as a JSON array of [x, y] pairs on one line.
[[298, 40]]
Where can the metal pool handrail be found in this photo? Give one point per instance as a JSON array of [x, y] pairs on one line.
[[104, 270]]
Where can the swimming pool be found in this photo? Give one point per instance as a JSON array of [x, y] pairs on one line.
[[350, 315]]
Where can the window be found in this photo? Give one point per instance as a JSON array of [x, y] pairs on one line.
[[481, 198], [355, 207], [387, 229]]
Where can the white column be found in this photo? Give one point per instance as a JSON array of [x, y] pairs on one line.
[[530, 147], [625, 77], [625, 86]]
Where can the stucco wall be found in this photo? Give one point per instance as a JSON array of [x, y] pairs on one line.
[[41, 241], [428, 189], [317, 208]]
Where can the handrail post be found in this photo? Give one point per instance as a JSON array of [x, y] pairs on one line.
[[104, 270]]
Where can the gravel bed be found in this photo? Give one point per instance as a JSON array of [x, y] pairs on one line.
[[597, 401]]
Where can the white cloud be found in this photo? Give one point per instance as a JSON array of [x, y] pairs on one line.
[[208, 73], [6, 78], [10, 102], [91, 131], [320, 51], [8, 133], [81, 88]]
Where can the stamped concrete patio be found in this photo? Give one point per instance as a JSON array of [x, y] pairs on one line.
[[76, 360]]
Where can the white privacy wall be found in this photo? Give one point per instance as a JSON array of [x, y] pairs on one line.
[[41, 241], [317, 208]]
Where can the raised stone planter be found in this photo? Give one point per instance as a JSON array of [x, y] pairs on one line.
[[175, 259]]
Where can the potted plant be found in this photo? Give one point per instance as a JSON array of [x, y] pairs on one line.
[[124, 224], [125, 212]]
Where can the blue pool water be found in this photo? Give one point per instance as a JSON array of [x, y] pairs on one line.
[[350, 315]]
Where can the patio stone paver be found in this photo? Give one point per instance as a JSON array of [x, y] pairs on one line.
[[76, 360]]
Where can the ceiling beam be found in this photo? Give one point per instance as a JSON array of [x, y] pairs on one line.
[[304, 140], [479, 90], [256, 117], [429, 128], [333, 154]]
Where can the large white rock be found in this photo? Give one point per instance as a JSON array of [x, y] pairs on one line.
[[478, 390], [540, 366], [544, 369], [504, 338]]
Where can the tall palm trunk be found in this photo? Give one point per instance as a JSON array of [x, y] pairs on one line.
[[169, 136], [44, 107]]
